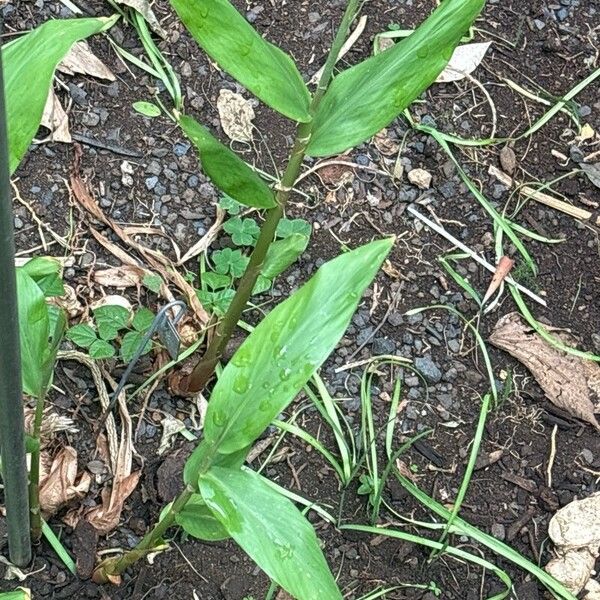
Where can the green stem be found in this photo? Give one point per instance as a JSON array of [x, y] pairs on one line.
[[34, 474], [114, 567], [206, 366]]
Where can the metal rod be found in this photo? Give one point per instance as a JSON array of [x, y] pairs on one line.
[[12, 426]]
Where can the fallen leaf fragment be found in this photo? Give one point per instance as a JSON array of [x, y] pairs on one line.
[[569, 382], [502, 270], [63, 483], [120, 277], [508, 160], [421, 178], [575, 532], [143, 7], [592, 170], [81, 59], [465, 59], [56, 120], [236, 114]]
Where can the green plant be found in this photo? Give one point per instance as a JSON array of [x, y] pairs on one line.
[[18, 594], [112, 325], [221, 499], [342, 112], [41, 328]]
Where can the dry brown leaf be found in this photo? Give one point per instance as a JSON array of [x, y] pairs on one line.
[[81, 59], [121, 277], [63, 483], [236, 114], [56, 120], [336, 174], [502, 270], [465, 59], [385, 144], [569, 382], [143, 7], [575, 532]]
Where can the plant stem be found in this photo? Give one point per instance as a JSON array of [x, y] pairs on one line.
[[116, 566], [34, 474], [12, 426], [205, 367]]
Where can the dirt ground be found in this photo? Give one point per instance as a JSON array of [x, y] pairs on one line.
[[544, 47]]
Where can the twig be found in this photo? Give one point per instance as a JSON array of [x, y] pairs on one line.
[[565, 207], [473, 255], [88, 141], [552, 456]]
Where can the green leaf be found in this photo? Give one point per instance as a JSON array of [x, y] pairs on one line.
[[283, 253], [367, 97], [46, 273], [226, 169], [152, 282], [28, 66], [262, 285], [243, 232], [271, 530], [110, 319], [287, 227], [148, 109], [130, 344], [233, 207], [18, 594], [218, 301], [197, 520], [101, 349], [215, 281], [34, 330], [230, 261], [259, 66], [142, 320], [284, 350], [83, 335]]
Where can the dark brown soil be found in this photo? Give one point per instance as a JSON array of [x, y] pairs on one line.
[[533, 44]]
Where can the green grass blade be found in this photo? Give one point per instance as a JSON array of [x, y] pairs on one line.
[[57, 546]]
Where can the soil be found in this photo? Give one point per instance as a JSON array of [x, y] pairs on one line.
[[544, 47]]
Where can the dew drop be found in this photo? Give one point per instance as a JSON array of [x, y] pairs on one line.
[[219, 418], [241, 384], [264, 405], [423, 51], [204, 10], [241, 358], [285, 374]]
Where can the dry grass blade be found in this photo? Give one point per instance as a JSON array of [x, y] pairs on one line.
[[525, 190], [63, 483], [502, 270], [206, 240], [154, 259], [569, 382]]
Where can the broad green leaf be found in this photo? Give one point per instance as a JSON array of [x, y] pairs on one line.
[[218, 301], [143, 319], [367, 97], [28, 66], [284, 350], [287, 227], [46, 273], [198, 520], [101, 349], [34, 329], [83, 335], [215, 281], [152, 282], [271, 530], [262, 285], [204, 458], [226, 169], [130, 344], [259, 66], [148, 109], [283, 253], [110, 319], [18, 594]]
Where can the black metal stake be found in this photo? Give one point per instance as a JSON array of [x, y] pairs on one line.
[[12, 426]]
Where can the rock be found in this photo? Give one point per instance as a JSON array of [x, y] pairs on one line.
[[498, 531], [508, 160], [151, 182], [395, 319], [427, 368], [587, 455], [90, 119], [421, 178], [383, 345]]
